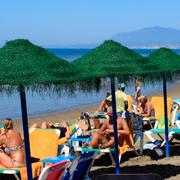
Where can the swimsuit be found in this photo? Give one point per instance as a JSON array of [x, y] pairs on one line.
[[152, 113], [9, 150]]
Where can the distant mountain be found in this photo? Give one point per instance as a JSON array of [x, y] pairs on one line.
[[152, 37]]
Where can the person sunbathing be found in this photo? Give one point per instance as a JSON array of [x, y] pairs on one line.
[[12, 147], [104, 138], [146, 109], [63, 127], [101, 110]]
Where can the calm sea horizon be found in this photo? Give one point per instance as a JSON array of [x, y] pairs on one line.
[[52, 103]]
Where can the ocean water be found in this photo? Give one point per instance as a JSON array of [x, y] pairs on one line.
[[45, 103]]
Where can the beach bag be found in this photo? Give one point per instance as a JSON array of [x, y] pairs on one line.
[[154, 151]]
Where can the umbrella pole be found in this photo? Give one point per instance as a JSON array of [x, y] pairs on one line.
[[165, 114], [25, 131], [115, 125]]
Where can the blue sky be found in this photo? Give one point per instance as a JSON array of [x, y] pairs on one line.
[[50, 23]]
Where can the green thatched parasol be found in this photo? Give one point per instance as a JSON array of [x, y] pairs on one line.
[[22, 64], [166, 60], [164, 64], [110, 59]]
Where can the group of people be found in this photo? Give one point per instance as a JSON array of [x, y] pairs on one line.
[[104, 138], [11, 142], [12, 152]]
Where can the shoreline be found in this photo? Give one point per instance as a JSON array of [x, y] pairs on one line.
[[71, 115]]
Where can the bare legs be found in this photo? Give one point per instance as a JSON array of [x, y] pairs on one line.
[[7, 161], [97, 140]]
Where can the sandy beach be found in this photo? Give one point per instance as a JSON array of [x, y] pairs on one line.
[[166, 168], [73, 114]]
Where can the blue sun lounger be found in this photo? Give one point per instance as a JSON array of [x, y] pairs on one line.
[[161, 132]]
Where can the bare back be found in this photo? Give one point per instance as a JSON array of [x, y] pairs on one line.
[[12, 138]]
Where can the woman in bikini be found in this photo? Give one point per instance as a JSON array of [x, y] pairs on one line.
[[12, 151]]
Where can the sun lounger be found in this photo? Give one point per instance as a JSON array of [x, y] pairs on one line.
[[131, 106], [78, 167], [74, 132], [176, 107], [43, 143], [21, 173], [176, 101], [161, 132], [126, 142], [54, 171], [158, 103]]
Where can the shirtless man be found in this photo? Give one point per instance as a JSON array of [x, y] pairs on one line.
[[105, 136]]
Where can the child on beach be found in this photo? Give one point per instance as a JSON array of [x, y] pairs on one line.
[[12, 151]]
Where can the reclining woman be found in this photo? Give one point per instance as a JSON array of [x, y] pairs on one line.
[[104, 138], [63, 127], [12, 147]]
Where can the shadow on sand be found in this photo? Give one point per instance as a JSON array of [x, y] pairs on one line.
[[164, 170]]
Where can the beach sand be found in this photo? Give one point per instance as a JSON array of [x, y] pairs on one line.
[[166, 168], [73, 114]]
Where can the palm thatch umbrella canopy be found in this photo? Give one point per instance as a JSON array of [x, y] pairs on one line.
[[167, 65], [166, 60], [110, 59], [22, 64]]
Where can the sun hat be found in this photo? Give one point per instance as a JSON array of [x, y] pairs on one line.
[[121, 85]]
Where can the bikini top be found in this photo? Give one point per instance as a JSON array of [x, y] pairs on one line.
[[9, 150]]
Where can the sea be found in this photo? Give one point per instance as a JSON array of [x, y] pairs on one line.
[[51, 103]]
